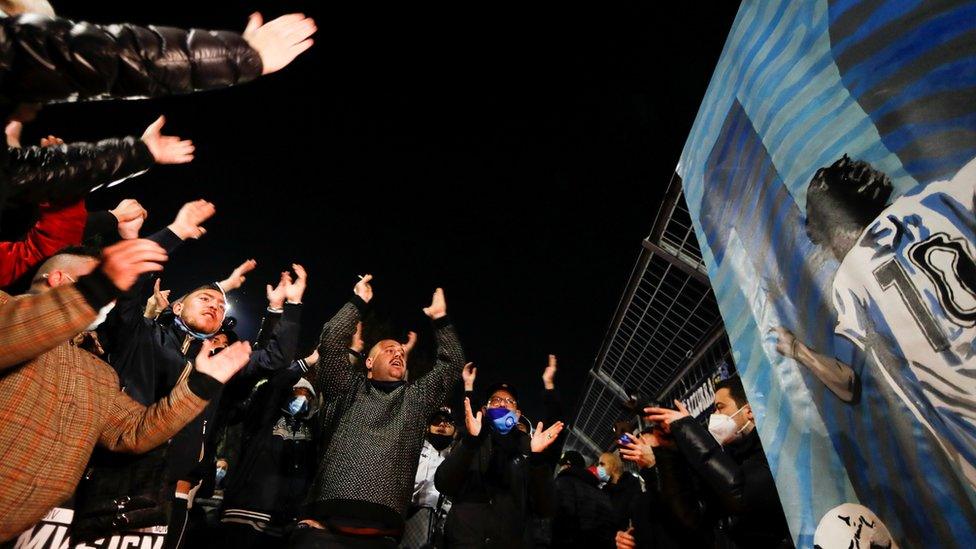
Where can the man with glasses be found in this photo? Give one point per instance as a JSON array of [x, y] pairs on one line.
[[496, 475]]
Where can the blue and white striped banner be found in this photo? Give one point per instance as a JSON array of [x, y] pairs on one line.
[[801, 84]]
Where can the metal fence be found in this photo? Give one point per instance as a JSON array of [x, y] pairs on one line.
[[667, 337]]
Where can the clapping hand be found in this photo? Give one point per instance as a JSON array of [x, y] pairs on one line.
[[549, 374], [438, 306], [223, 365], [295, 290], [280, 41], [468, 374], [542, 439], [157, 302], [472, 421], [190, 218], [236, 278], [166, 149], [130, 216], [363, 288]]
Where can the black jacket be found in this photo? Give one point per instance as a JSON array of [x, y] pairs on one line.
[[493, 481], [50, 59], [741, 481], [150, 355], [622, 494], [584, 515], [277, 459], [67, 172], [669, 514]]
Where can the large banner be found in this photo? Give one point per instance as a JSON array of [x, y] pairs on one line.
[[830, 173]]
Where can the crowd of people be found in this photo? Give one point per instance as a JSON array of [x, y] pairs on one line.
[[147, 416]]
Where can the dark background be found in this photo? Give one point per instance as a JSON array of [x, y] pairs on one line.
[[513, 155]]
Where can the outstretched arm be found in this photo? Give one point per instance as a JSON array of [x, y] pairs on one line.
[[53, 59], [433, 388], [839, 377], [333, 374]]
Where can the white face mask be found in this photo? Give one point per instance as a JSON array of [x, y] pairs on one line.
[[102, 315], [722, 427]]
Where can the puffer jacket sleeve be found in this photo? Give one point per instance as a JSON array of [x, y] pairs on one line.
[[744, 488], [45, 59], [67, 172]]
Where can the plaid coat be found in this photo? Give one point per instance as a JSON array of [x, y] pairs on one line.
[[57, 401]]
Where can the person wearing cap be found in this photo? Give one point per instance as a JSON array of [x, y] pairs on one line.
[[427, 505], [265, 490], [496, 475], [150, 356], [584, 513]]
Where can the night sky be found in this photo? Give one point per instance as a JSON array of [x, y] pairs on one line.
[[513, 155]]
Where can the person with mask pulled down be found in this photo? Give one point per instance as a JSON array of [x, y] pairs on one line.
[[57, 401], [729, 458], [496, 475]]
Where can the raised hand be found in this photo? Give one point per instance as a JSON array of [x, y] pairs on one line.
[[469, 374], [157, 302], [549, 374], [166, 149], [665, 415], [279, 41], [363, 288], [542, 439], [411, 342], [130, 215], [638, 453], [190, 218], [223, 365], [295, 290], [236, 278], [472, 421], [438, 306], [357, 344], [276, 295], [122, 263], [13, 130]]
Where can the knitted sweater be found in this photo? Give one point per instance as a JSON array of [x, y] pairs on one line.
[[372, 439]]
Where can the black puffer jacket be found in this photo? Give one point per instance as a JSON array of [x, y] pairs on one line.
[[584, 515], [45, 60], [741, 481], [494, 481], [669, 515], [67, 172]]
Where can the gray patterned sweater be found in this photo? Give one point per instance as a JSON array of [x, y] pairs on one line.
[[370, 440]]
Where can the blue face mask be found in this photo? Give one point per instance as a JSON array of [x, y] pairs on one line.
[[602, 474], [298, 405], [221, 473], [503, 419]]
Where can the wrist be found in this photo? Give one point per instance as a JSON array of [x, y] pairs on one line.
[[549, 385], [276, 306], [469, 387], [182, 231]]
